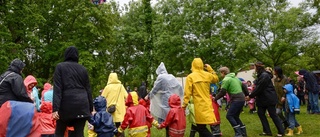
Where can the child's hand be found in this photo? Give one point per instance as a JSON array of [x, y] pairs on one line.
[[158, 127], [283, 99]]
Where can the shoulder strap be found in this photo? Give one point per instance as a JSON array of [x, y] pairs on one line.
[[119, 93], [5, 77]]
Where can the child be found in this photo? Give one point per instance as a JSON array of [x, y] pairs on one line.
[[136, 118], [215, 127], [251, 102], [146, 104], [48, 124], [176, 118], [291, 108], [102, 120]]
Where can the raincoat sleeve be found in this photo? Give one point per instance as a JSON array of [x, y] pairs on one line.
[[215, 78], [169, 119], [157, 86], [19, 90], [128, 117], [57, 89]]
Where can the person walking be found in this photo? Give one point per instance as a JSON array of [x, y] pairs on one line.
[[198, 87], [266, 99], [237, 92], [164, 86], [279, 81], [312, 89], [116, 94], [72, 96], [11, 84]]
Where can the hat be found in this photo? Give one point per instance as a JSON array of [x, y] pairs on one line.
[[302, 71]]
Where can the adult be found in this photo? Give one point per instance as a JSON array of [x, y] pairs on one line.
[[301, 90], [198, 87], [72, 97], [116, 94], [279, 81], [11, 84], [164, 86], [142, 91], [312, 89], [237, 91], [266, 99]]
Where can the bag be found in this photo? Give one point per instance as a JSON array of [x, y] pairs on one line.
[[111, 108]]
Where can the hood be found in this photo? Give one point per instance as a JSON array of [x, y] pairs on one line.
[[16, 66], [231, 75], [71, 54], [174, 101], [289, 88], [161, 69], [197, 65], [113, 79], [46, 107], [29, 80], [302, 72], [132, 99], [100, 103], [46, 87]]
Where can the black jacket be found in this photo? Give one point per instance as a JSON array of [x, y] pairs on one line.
[[72, 96], [12, 87], [264, 91]]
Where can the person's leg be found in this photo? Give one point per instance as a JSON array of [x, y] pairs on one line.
[[203, 130], [314, 105], [233, 116], [276, 120], [61, 127], [264, 120], [283, 119], [193, 130], [118, 125], [78, 125]]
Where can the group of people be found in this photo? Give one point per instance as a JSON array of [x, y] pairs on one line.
[[70, 104]]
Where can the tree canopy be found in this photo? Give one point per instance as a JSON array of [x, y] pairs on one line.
[[133, 39]]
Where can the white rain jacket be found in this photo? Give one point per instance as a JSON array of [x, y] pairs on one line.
[[165, 85]]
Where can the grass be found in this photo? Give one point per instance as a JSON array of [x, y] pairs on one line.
[[309, 123]]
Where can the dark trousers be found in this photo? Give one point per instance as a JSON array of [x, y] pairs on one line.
[[233, 114], [78, 125], [203, 130], [264, 121], [302, 100], [118, 124]]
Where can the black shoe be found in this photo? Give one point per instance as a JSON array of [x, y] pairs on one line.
[[265, 134]]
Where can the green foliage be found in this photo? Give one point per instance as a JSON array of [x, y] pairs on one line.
[[133, 39]]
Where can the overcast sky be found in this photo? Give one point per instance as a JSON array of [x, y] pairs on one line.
[[293, 2]]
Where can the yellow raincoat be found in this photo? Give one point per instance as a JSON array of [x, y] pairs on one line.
[[198, 86], [115, 93]]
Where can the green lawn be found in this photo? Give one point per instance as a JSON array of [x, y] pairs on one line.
[[310, 125]]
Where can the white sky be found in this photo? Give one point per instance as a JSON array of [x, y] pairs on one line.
[[293, 2]]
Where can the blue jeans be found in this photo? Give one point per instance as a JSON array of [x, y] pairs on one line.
[[233, 114], [292, 120], [313, 99]]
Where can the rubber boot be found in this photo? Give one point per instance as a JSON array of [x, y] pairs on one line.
[[243, 131], [299, 130], [237, 131], [290, 133]]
